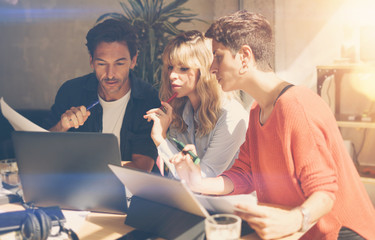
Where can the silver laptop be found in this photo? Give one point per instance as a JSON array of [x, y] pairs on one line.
[[163, 190], [70, 170]]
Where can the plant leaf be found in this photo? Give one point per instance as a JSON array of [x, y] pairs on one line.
[[128, 13], [155, 23]]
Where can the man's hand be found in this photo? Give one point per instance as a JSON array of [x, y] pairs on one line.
[[74, 117]]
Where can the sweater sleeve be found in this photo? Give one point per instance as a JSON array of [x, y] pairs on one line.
[[240, 173], [310, 143], [166, 151]]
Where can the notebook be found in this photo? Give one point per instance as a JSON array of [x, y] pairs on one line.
[[70, 170], [163, 190]]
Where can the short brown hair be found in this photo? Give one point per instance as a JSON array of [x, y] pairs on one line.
[[245, 28]]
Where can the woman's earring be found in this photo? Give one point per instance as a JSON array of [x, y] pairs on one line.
[[243, 68]]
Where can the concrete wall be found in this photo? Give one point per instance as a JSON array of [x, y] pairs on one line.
[[42, 43], [312, 33], [307, 34]]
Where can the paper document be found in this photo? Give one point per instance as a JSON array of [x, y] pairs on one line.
[[18, 122], [225, 204]]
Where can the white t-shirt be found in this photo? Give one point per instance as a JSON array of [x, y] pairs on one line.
[[113, 114]]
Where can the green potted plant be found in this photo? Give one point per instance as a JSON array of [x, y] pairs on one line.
[[155, 24]]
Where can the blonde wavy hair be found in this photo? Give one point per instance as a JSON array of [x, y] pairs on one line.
[[192, 50]]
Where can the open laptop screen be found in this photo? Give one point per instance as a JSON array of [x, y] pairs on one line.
[[70, 170], [163, 190]]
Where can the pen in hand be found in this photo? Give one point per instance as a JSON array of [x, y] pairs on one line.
[[92, 105], [169, 100], [181, 146]]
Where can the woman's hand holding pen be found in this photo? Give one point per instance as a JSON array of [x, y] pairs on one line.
[[162, 120], [187, 169]]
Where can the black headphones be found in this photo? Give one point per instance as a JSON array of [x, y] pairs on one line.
[[37, 226]]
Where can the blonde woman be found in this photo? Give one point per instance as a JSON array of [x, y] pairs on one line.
[[200, 114]]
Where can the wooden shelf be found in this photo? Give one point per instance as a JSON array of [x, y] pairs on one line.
[[353, 124], [348, 66], [338, 71], [367, 172]]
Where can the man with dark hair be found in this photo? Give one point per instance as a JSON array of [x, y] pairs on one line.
[[122, 98], [294, 155]]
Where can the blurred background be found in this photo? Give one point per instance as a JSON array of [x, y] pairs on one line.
[[42, 44]]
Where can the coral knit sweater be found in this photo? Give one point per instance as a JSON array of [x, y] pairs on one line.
[[298, 151]]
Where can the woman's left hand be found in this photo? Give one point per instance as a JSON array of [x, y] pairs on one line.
[[270, 222]]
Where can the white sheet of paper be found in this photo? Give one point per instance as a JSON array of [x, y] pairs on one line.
[[226, 204], [74, 219], [18, 122]]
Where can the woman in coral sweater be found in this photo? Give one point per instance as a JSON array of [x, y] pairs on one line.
[[293, 155]]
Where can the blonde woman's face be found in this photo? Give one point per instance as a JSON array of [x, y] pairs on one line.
[[183, 80]]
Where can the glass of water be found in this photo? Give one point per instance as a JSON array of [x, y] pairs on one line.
[[223, 227], [9, 172]]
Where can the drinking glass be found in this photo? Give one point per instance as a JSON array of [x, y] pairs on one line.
[[223, 227]]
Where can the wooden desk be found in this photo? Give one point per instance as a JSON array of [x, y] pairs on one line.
[[95, 226], [103, 226], [109, 226]]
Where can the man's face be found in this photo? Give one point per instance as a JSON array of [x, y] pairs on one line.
[[111, 63], [225, 66]]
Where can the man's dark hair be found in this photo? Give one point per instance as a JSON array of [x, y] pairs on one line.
[[112, 30], [245, 28]]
